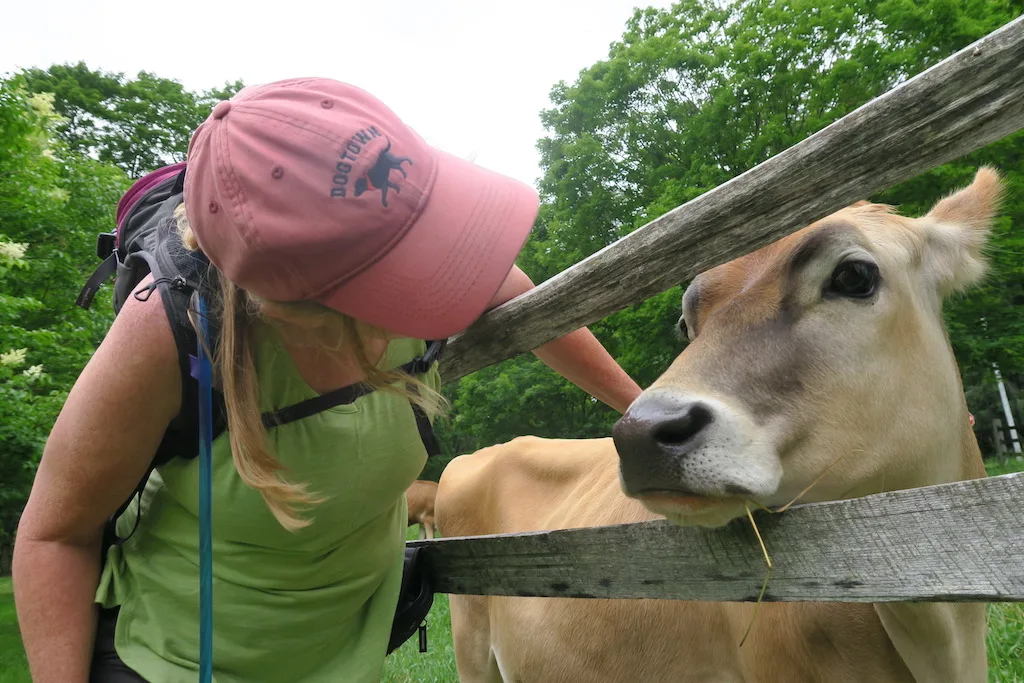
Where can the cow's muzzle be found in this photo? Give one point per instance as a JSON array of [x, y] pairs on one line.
[[655, 439]]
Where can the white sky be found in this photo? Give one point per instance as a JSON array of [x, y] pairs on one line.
[[470, 77]]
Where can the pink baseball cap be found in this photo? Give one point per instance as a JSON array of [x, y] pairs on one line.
[[314, 189]]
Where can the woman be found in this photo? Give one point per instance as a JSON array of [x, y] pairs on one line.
[[341, 241]]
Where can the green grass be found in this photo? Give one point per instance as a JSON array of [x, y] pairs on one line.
[[13, 667], [1012, 464], [406, 665], [437, 665], [1006, 643]]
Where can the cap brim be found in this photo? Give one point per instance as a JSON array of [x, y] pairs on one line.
[[449, 265]]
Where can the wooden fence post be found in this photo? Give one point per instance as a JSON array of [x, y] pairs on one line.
[[958, 541], [999, 438]]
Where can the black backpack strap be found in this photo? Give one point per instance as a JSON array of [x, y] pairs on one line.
[[102, 273], [175, 293], [349, 394], [346, 395], [317, 404], [182, 436], [179, 182], [110, 536], [177, 274], [418, 366], [192, 273], [426, 430]]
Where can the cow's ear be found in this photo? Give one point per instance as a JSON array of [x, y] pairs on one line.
[[957, 230]]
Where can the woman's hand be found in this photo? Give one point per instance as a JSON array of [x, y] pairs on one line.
[[577, 356]]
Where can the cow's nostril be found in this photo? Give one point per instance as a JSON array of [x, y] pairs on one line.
[[684, 426], [656, 436]]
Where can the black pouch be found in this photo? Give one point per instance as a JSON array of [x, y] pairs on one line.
[[414, 601], [106, 666]]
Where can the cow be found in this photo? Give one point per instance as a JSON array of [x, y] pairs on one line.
[[419, 498], [825, 349]]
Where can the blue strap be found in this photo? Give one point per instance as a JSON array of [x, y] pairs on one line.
[[205, 502]]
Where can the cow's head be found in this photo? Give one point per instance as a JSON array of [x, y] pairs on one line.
[[828, 344]]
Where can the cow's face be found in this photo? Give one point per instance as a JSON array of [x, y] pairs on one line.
[[826, 348]]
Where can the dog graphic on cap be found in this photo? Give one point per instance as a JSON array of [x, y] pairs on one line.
[[379, 176]]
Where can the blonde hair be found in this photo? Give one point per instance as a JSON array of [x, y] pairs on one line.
[[311, 324]]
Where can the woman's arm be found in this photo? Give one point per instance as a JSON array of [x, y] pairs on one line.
[[99, 448], [578, 356]]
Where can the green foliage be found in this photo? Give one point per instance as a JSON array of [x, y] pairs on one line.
[[138, 125], [13, 666], [29, 401], [42, 345], [59, 132], [695, 95]]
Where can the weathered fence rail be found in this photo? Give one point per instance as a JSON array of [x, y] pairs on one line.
[[955, 542], [959, 105]]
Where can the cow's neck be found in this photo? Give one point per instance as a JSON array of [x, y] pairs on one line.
[[942, 641], [970, 454]]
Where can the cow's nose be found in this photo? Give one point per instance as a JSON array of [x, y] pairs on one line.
[[653, 438], [661, 422]]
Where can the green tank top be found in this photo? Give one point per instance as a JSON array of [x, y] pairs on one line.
[[314, 605]]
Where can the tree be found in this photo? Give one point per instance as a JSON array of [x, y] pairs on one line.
[[138, 125], [53, 202], [71, 140], [694, 95], [82, 98], [42, 346]]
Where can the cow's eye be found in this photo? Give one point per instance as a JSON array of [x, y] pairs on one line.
[[684, 329], [857, 279]]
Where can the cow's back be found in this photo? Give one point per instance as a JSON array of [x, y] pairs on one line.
[[531, 484]]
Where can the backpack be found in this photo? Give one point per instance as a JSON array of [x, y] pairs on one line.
[[146, 240]]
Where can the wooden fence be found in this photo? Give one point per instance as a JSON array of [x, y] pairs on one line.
[[955, 542]]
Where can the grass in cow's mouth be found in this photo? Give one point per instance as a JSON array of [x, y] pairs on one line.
[[764, 550], [767, 561]]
